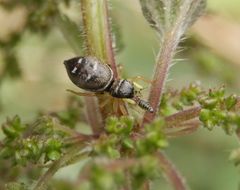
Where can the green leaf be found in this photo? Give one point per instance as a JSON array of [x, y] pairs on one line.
[[72, 33], [162, 15]]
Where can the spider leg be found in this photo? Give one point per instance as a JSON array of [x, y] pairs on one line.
[[81, 93], [115, 105], [141, 78], [122, 108], [103, 103]]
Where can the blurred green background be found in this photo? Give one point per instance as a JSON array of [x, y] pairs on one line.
[[201, 157]]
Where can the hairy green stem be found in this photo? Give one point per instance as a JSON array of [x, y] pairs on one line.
[[74, 37], [98, 43]]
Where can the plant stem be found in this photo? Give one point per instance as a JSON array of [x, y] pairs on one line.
[[170, 41], [43, 180], [110, 52], [99, 44], [93, 116], [184, 128], [171, 173], [175, 119], [72, 34], [163, 62]]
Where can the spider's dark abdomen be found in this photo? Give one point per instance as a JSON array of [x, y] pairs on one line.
[[89, 73], [122, 89]]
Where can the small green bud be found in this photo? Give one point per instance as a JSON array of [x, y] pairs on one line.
[[128, 124], [209, 124], [162, 143], [54, 144], [205, 115], [210, 103], [217, 93], [113, 153], [220, 115], [178, 105], [112, 124], [53, 155], [9, 131], [128, 143], [231, 101], [228, 128], [16, 124], [20, 159]]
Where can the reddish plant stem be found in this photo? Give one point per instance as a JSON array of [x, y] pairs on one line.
[[184, 128], [171, 173], [175, 119], [163, 62], [110, 52], [146, 185], [170, 40], [93, 115]]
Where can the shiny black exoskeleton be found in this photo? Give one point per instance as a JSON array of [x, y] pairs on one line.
[[90, 74]]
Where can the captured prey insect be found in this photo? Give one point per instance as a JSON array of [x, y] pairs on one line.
[[90, 74]]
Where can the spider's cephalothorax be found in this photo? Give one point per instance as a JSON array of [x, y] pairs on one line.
[[90, 74]]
